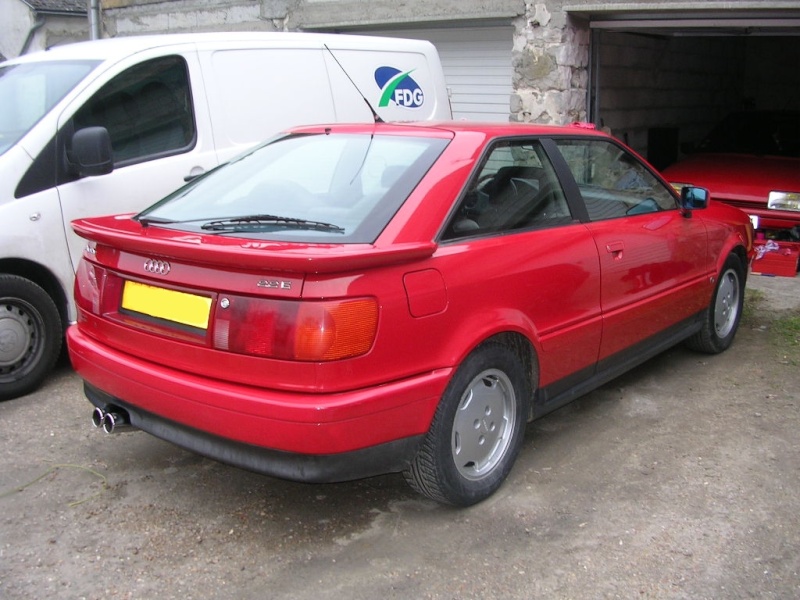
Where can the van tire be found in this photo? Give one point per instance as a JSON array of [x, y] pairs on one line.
[[30, 336]]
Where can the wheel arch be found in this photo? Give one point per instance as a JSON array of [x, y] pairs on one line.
[[740, 252], [525, 350], [44, 278], [738, 246]]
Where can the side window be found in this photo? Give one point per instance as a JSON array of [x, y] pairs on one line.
[[515, 188], [146, 109], [613, 183]]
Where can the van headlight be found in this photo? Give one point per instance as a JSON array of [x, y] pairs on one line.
[[784, 201]]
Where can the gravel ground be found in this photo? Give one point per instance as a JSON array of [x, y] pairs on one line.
[[677, 480]]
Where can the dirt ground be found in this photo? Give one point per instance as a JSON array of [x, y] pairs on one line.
[[680, 479]]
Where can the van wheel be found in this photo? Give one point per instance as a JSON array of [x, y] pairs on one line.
[[722, 320], [30, 336], [477, 430]]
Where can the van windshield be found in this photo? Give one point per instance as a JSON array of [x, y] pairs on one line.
[[29, 90]]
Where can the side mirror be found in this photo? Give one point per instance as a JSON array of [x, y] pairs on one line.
[[91, 152], [694, 198]]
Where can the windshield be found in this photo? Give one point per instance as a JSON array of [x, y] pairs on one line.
[[770, 133], [325, 188], [29, 90]]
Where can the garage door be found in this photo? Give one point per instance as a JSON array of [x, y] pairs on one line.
[[477, 68]]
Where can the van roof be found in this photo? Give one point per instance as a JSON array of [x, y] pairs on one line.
[[112, 49]]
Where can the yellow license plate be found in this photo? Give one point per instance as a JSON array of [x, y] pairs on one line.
[[179, 307]]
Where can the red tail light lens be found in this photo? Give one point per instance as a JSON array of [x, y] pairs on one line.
[[97, 290], [291, 330], [89, 280]]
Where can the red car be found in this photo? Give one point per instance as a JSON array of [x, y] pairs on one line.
[[750, 160], [349, 300]]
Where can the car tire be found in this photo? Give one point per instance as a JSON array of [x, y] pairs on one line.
[[725, 310], [30, 336], [477, 430]]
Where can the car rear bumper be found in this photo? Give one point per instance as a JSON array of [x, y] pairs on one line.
[[306, 437]]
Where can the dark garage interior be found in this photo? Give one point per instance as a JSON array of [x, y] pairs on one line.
[[659, 81]]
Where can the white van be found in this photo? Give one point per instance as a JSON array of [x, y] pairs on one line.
[[110, 126]]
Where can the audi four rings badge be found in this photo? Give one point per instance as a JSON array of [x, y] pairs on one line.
[[157, 267]]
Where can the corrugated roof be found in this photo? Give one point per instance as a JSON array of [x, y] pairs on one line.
[[77, 7]]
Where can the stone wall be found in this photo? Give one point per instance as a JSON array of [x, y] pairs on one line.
[[550, 58]]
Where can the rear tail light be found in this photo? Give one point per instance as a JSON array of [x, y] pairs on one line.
[[323, 330], [88, 286], [296, 330], [95, 288]]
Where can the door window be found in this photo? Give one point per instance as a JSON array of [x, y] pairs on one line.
[[515, 189], [613, 183], [147, 111]]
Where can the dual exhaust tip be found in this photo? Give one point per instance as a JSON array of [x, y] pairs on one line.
[[110, 418]]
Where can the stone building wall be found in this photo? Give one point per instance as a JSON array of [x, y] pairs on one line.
[[550, 58]]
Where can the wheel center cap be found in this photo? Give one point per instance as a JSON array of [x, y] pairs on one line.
[[12, 341]]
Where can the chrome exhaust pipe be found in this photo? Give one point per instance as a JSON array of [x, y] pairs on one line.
[[97, 416], [115, 419], [110, 418]]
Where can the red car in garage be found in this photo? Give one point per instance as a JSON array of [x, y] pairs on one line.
[[751, 160], [349, 300]]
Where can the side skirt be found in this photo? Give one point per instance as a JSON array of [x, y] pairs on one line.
[[562, 392]]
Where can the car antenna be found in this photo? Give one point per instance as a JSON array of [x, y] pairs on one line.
[[375, 115]]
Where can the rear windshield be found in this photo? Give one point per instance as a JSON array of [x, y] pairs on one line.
[[29, 90], [325, 188]]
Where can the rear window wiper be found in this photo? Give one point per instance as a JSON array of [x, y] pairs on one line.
[[269, 223], [145, 220]]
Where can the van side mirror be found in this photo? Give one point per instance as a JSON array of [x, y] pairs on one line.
[[693, 198], [91, 152]]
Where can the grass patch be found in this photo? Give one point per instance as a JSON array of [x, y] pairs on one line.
[[752, 301], [787, 329]]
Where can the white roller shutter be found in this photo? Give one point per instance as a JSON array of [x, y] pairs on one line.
[[477, 68]]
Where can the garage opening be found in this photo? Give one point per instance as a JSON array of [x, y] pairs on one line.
[[661, 80]]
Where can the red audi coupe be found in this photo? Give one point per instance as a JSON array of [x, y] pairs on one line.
[[349, 300], [750, 160]]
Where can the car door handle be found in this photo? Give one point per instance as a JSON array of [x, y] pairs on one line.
[[615, 249]]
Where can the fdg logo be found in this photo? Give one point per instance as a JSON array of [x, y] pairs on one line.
[[398, 87]]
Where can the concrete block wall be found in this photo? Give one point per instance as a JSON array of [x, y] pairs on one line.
[[648, 82], [124, 17]]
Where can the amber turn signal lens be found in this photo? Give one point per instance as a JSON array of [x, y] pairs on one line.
[[334, 330]]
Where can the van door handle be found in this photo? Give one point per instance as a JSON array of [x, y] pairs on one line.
[[615, 249], [194, 173]]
